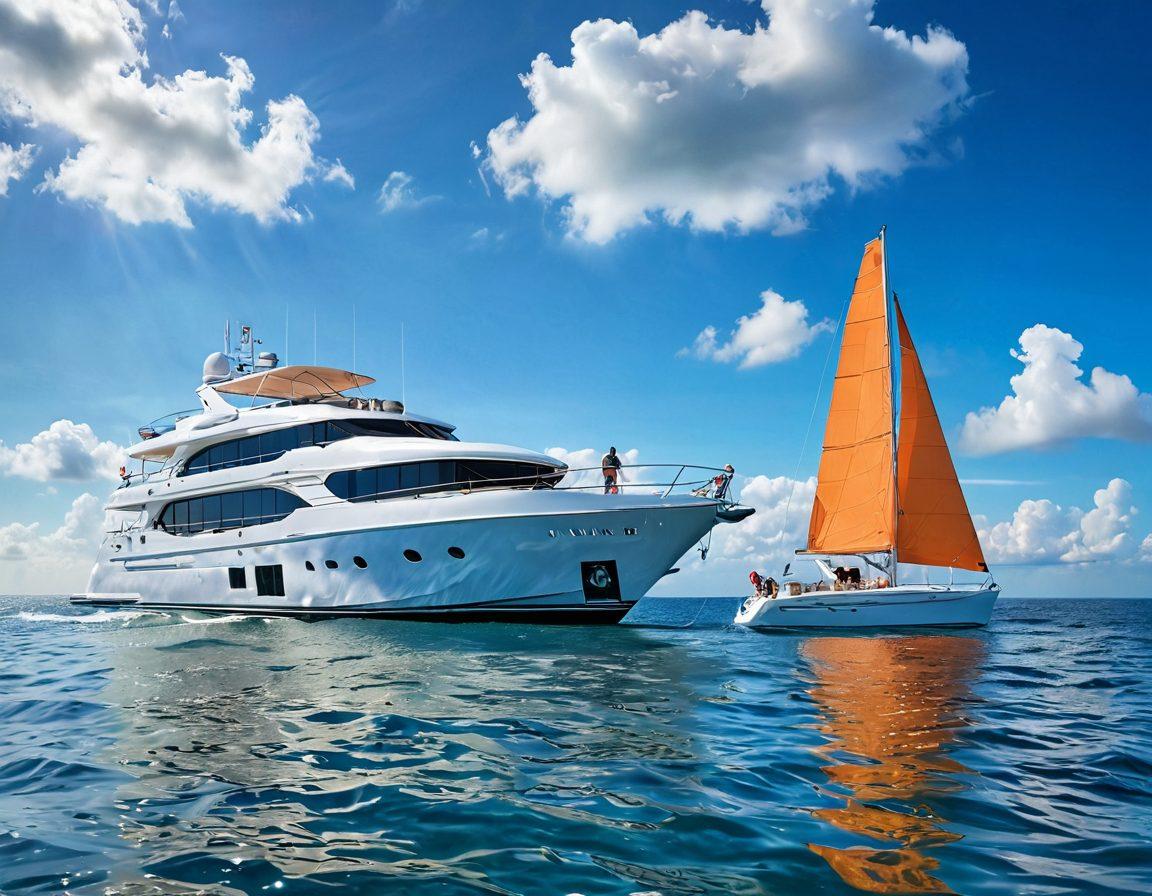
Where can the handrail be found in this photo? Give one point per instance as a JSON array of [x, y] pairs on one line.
[[541, 481], [140, 478], [554, 480]]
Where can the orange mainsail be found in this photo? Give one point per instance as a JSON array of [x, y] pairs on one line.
[[935, 528], [855, 506]]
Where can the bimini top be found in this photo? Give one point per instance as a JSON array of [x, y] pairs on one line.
[[295, 382]]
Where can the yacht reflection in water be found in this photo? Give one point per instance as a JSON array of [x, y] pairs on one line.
[[891, 709]]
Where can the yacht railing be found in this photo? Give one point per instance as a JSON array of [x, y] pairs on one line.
[[689, 479], [152, 476]]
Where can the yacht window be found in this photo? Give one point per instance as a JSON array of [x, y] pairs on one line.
[[261, 448], [271, 445], [388, 426], [270, 581], [230, 510], [373, 483]]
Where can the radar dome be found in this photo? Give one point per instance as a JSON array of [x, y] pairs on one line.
[[217, 368]]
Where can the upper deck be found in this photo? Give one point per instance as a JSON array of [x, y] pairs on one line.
[[280, 396]]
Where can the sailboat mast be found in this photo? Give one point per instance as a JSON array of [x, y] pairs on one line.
[[889, 321]]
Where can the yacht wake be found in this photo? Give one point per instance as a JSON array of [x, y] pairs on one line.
[[124, 616]]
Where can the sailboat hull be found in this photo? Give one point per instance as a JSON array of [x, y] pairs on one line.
[[907, 606]]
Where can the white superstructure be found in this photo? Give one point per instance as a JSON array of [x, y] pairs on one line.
[[321, 502]]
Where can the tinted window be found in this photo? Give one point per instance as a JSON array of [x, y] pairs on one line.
[[195, 515], [388, 426], [232, 514], [271, 445], [252, 509], [365, 483], [270, 581], [229, 453], [230, 510], [259, 449], [249, 450], [211, 505], [430, 476]]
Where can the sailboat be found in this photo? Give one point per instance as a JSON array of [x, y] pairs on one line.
[[886, 493]]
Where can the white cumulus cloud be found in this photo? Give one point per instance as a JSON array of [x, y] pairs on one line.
[[148, 145], [778, 330], [720, 128], [1042, 531], [1051, 403], [65, 450], [56, 561], [770, 537], [14, 163]]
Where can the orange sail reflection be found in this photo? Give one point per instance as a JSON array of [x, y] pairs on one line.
[[890, 708]]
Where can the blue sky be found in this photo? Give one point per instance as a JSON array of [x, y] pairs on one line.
[[1025, 203]]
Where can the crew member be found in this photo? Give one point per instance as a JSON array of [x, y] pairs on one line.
[[610, 464]]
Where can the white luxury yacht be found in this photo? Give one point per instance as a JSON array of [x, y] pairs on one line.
[[315, 501]]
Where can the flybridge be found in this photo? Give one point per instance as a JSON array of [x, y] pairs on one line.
[[242, 370]]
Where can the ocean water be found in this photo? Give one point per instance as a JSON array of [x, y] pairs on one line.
[[145, 754]]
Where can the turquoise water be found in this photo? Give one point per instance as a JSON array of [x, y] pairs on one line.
[[150, 754]]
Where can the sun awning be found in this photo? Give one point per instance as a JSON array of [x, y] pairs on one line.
[[299, 381]]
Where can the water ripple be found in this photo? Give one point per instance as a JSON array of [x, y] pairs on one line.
[[143, 753]]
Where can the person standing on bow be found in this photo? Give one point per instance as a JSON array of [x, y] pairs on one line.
[[610, 464]]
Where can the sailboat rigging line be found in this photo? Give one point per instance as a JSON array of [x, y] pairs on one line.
[[812, 416]]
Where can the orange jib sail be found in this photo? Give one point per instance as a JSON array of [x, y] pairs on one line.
[[855, 506], [935, 527]]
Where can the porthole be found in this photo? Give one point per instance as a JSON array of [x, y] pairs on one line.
[[412, 556], [308, 565], [456, 552], [331, 564], [360, 562]]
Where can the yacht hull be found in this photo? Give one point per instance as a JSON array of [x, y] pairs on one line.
[[543, 557], [907, 606]]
